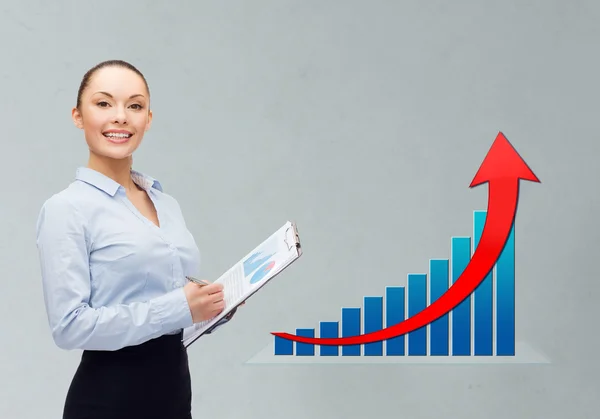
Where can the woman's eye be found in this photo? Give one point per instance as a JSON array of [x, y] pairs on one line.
[[136, 106], [102, 104]]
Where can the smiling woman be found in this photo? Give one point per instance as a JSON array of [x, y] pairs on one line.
[[114, 122], [114, 253]]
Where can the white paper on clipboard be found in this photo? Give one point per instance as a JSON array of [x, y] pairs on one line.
[[250, 274]]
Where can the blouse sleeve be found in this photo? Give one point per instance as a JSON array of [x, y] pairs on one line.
[[63, 250]]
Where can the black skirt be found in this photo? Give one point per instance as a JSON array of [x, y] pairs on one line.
[[146, 381]]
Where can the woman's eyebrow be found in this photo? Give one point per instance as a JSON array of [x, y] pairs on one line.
[[130, 97]]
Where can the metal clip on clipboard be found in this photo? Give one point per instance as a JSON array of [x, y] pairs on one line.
[[292, 238]]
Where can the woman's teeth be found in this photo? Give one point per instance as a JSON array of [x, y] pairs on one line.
[[116, 135]]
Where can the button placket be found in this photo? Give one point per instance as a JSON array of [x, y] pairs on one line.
[[177, 278]]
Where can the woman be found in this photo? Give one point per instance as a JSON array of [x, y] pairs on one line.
[[114, 252]]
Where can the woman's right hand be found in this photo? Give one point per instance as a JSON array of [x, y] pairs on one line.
[[205, 301]]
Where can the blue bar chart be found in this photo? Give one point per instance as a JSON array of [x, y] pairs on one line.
[[483, 324]]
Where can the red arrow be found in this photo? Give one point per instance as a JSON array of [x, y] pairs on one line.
[[502, 168]]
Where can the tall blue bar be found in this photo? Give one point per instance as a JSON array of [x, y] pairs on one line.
[[350, 327], [461, 314], [484, 295], [417, 301], [439, 329], [373, 322], [394, 314], [283, 346], [305, 349], [329, 330], [505, 298]]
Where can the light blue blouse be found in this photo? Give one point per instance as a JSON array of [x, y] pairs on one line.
[[112, 278]]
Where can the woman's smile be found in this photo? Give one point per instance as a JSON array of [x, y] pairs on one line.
[[117, 136]]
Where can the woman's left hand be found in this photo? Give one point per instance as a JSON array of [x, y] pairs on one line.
[[230, 315]]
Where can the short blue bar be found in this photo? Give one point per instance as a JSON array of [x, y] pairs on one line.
[[373, 322], [505, 298], [350, 327], [417, 301], [329, 330], [461, 314], [439, 329], [283, 346], [484, 294], [394, 314], [305, 349]]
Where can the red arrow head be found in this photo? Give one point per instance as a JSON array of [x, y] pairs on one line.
[[502, 162]]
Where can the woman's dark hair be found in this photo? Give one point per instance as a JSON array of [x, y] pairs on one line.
[[110, 63]]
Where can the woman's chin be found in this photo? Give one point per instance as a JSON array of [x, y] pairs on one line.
[[112, 154]]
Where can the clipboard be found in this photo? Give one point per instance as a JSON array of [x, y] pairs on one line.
[[289, 249]]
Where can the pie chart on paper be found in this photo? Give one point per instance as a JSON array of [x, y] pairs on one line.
[[254, 261], [262, 272]]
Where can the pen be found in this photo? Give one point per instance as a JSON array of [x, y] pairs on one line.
[[196, 281]]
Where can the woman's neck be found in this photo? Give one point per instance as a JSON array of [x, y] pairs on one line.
[[117, 170]]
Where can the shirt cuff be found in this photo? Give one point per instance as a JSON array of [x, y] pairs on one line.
[[172, 311]]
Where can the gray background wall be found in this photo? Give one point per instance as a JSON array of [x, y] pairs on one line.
[[363, 121]]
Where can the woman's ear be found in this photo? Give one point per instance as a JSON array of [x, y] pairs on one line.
[[77, 119], [149, 123]]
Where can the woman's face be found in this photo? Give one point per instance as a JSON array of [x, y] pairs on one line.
[[114, 112]]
